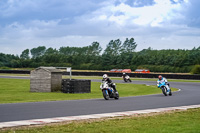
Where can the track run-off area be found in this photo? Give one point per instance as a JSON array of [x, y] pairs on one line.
[[189, 94]]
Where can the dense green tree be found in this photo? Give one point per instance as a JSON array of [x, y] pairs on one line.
[[94, 49], [127, 51], [113, 48], [115, 55], [51, 51], [129, 46], [111, 53], [37, 52], [25, 54]]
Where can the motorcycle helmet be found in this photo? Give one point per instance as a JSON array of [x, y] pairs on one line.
[[160, 77], [105, 76], [124, 73]]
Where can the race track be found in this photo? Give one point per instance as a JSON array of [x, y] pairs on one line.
[[189, 95]]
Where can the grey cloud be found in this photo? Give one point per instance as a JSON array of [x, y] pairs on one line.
[[139, 3], [192, 14], [189, 14], [28, 10], [176, 2]]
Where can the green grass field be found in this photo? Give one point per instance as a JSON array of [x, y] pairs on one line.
[[171, 122], [18, 90], [10, 74]]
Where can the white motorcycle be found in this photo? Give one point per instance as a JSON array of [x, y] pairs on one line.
[[108, 92], [127, 78]]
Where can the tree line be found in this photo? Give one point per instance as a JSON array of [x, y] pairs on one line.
[[117, 54]]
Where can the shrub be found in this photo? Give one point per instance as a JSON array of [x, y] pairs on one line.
[[5, 68], [196, 69]]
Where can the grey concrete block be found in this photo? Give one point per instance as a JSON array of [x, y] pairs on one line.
[[45, 79]]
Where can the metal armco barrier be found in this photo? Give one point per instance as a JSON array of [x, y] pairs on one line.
[[137, 75]]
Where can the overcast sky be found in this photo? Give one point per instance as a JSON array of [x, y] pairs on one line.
[[159, 24]]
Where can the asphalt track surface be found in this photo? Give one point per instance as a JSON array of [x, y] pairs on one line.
[[189, 95]]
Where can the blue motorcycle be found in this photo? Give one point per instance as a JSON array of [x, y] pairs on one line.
[[165, 89], [108, 92]]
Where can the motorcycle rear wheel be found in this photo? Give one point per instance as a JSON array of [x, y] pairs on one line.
[[170, 93]]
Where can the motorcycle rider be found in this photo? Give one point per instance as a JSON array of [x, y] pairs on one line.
[[106, 78], [161, 79], [124, 75]]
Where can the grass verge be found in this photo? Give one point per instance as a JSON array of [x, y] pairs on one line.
[[18, 90], [173, 122], [10, 74]]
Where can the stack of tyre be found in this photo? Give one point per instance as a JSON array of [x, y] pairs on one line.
[[76, 86]]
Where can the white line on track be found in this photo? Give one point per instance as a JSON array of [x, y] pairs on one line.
[[92, 116]]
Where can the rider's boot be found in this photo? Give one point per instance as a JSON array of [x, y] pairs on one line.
[[114, 88]]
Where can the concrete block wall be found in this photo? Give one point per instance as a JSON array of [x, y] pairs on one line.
[[56, 81], [45, 80]]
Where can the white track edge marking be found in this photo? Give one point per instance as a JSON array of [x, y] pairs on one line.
[[92, 116]]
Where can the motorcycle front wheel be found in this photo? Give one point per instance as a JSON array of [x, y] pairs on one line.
[[105, 94], [164, 90]]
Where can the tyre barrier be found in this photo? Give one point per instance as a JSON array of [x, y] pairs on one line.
[[16, 71], [76, 86]]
